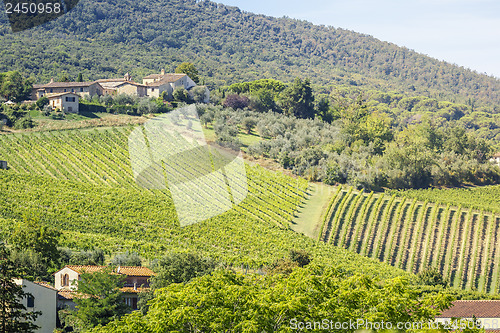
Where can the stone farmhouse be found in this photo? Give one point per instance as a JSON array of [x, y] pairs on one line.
[[136, 280], [152, 86]]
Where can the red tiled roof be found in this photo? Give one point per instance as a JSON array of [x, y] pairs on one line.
[[44, 284], [87, 269], [134, 271], [473, 308], [64, 84], [125, 270], [67, 294], [163, 79]]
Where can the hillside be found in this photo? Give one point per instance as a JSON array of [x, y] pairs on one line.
[[80, 182], [461, 242], [108, 38]]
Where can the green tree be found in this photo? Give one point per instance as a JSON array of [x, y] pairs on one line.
[[298, 100], [190, 70], [64, 78], [14, 316], [227, 302], [80, 77], [176, 268], [99, 300], [32, 235], [180, 95], [13, 87], [249, 123], [42, 102]]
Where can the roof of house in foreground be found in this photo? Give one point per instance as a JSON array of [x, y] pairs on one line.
[[125, 270], [473, 308]]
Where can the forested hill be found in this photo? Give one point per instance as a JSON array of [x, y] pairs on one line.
[[104, 38]]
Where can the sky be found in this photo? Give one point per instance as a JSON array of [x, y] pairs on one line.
[[462, 32]]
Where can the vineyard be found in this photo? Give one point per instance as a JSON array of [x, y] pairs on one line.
[[480, 198], [462, 242], [81, 182]]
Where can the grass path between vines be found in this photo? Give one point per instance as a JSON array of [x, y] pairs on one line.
[[308, 218]]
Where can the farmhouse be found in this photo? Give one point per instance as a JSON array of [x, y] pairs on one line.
[[152, 86], [80, 88], [486, 312], [166, 82], [67, 102], [136, 280], [495, 158], [122, 86], [42, 298]]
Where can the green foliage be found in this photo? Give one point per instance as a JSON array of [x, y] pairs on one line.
[[14, 87], [229, 45], [127, 259], [83, 184], [431, 277], [42, 102], [227, 302], [414, 235], [298, 100], [14, 316], [32, 235], [190, 70], [484, 198], [99, 300], [181, 95]]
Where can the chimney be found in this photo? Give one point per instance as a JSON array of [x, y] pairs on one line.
[[163, 71], [51, 80]]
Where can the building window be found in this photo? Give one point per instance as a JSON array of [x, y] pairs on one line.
[[72, 90], [64, 90], [65, 280], [81, 89], [31, 301], [152, 89], [51, 90]]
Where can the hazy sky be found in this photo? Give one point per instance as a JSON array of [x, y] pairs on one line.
[[463, 32]]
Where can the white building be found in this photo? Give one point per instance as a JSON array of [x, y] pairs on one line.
[[486, 313], [43, 298], [495, 158], [158, 83], [66, 102]]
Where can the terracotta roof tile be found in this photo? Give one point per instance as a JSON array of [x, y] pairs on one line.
[[125, 270], [163, 79], [66, 294], [468, 309], [134, 271], [44, 284], [87, 269], [65, 84]]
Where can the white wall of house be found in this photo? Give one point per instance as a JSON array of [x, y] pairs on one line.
[[45, 301], [64, 279]]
